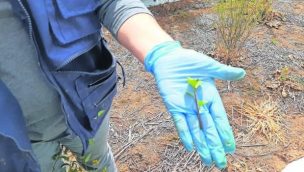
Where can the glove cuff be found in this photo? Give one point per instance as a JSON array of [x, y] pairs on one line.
[[159, 51]]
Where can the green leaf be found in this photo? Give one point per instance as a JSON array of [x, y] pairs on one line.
[[91, 141], [194, 83], [201, 103], [105, 169], [191, 82], [87, 158], [73, 170], [100, 113], [95, 162], [274, 41], [198, 83]]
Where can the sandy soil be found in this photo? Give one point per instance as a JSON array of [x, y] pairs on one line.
[[142, 135]]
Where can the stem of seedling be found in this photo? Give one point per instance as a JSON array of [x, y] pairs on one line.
[[195, 84], [197, 110]]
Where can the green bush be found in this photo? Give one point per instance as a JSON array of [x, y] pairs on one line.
[[265, 9], [236, 18]]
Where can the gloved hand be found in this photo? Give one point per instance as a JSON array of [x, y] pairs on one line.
[[171, 65]]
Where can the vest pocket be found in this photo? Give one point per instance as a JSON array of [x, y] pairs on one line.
[[88, 86], [90, 102], [72, 20], [99, 102], [77, 7]]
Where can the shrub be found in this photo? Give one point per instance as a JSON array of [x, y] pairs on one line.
[[236, 18], [265, 9]]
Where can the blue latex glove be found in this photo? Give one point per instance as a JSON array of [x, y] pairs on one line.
[[171, 65]]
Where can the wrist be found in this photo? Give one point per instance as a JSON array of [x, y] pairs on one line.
[[158, 51], [140, 33]]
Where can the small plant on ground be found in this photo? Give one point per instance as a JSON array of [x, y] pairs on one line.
[[284, 74], [236, 18], [265, 119], [195, 84], [274, 41]]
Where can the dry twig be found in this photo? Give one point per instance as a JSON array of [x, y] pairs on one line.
[[118, 153]]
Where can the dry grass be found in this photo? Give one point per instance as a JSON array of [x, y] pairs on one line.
[[237, 164], [68, 159], [264, 119]]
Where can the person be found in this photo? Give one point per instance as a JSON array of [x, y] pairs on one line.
[[58, 80]]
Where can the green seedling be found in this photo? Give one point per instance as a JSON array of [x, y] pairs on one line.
[[105, 169], [284, 74], [274, 41], [195, 84], [95, 162], [91, 141], [86, 158], [101, 113]]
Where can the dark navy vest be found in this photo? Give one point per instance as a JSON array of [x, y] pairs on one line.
[[75, 59]]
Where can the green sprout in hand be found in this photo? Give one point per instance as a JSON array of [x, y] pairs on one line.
[[195, 84]]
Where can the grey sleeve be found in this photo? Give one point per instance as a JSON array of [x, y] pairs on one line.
[[113, 13]]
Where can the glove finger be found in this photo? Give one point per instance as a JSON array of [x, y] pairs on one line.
[[199, 139], [213, 139], [220, 71], [183, 130], [221, 122]]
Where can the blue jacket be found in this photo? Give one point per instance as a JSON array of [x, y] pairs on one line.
[[75, 59]]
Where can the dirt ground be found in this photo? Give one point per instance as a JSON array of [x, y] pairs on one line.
[[142, 135]]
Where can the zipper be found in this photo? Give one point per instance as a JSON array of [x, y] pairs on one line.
[[50, 79], [100, 80], [74, 56], [30, 30], [108, 94], [28, 18]]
